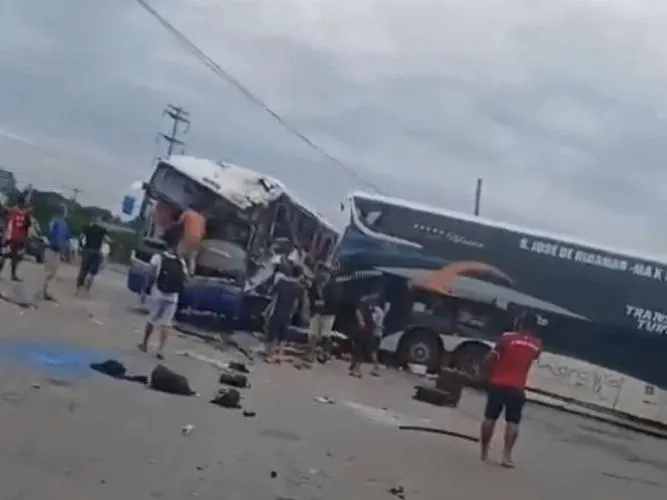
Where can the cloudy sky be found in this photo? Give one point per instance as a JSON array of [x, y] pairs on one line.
[[560, 105]]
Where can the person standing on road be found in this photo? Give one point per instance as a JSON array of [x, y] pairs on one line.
[[322, 296], [58, 238], [170, 273], [509, 363], [286, 292], [91, 256], [16, 234], [363, 336], [378, 333]]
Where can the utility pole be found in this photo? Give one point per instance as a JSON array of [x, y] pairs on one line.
[[178, 116], [75, 193], [478, 196]]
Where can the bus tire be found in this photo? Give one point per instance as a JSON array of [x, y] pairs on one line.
[[468, 358], [422, 347]]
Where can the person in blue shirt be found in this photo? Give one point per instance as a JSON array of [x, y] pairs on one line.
[[58, 237]]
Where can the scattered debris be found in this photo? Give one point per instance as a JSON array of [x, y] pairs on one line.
[[227, 398], [111, 368], [238, 366], [234, 379], [165, 380], [325, 400], [397, 491], [435, 396], [11, 397], [436, 430], [249, 413], [59, 382], [187, 429]]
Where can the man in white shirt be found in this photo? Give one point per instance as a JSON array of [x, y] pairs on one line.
[[170, 273]]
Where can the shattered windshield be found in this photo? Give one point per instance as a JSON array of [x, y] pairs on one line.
[[181, 189]]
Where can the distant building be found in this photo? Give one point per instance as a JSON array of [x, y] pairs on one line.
[[7, 184]]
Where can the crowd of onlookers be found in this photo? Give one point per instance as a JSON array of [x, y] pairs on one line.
[[18, 226], [318, 297]]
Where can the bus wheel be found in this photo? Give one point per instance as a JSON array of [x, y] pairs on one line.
[[420, 347], [469, 359]]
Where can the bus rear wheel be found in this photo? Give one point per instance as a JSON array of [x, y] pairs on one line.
[[420, 347]]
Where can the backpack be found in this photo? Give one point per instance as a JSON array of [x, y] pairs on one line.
[[171, 278]]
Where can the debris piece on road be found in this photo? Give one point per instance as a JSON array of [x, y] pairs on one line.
[[187, 429], [165, 380], [274, 474], [35, 385], [325, 400], [110, 367], [397, 491], [200, 467], [436, 396], [96, 322], [227, 398], [233, 379], [436, 430], [249, 413], [238, 366]]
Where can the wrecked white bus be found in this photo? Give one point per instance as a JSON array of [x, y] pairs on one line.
[[250, 218], [448, 278]]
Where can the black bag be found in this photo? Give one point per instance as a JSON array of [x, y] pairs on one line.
[[164, 380], [227, 398], [171, 278]]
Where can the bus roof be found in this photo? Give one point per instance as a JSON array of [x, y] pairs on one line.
[[242, 186], [421, 207]]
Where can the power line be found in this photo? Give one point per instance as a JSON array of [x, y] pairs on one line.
[[190, 46]]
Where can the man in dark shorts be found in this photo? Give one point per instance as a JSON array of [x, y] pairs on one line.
[[509, 364], [286, 293], [91, 255], [363, 337]]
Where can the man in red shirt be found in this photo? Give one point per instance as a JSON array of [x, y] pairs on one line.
[[509, 364], [16, 234]]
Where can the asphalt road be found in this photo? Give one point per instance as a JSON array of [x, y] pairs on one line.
[[70, 433]]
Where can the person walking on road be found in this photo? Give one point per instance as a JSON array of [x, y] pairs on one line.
[[170, 273], [58, 238], [91, 256], [509, 363], [16, 234]]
